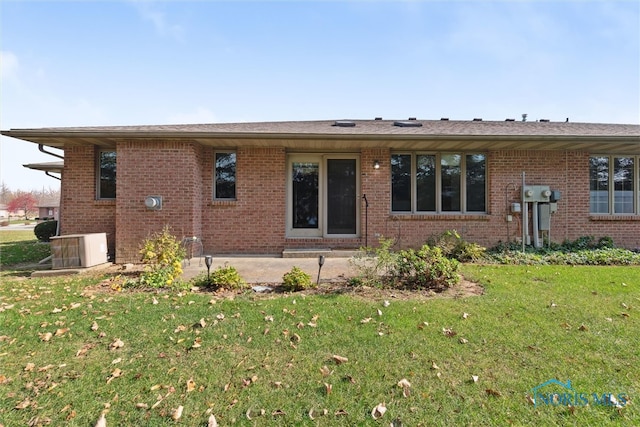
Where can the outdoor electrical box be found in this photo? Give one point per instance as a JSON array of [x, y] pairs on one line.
[[544, 217], [537, 193], [555, 196]]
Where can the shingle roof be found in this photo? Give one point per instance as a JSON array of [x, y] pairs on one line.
[[369, 127], [326, 135]]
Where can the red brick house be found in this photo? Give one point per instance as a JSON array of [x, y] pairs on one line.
[[263, 188]]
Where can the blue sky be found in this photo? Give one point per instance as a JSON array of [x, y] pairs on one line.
[[78, 63]]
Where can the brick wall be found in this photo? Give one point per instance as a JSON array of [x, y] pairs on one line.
[[80, 212], [255, 223]]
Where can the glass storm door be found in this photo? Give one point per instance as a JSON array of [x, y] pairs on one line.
[[323, 196], [341, 196]]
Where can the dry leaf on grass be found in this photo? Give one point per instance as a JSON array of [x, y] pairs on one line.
[[177, 414], [378, 411], [118, 343], [313, 413], [191, 385], [102, 421], [405, 385], [339, 359], [46, 336], [115, 374], [212, 421], [325, 371]]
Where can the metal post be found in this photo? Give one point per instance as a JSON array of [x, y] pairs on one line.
[[366, 221]]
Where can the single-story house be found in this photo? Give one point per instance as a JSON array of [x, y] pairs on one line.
[[267, 188], [48, 207]]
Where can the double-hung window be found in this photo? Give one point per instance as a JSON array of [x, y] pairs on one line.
[[224, 187], [613, 186], [106, 174], [438, 182]]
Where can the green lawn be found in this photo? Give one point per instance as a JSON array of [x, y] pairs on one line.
[[69, 352]]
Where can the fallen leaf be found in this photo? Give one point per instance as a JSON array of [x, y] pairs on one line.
[[465, 315], [325, 371], [46, 336], [313, 413], [378, 411], [339, 359], [475, 378], [278, 412], [327, 388], [220, 316], [116, 361], [118, 343], [386, 303], [202, 323], [177, 414], [212, 421], [530, 400], [449, 332], [115, 374], [463, 341], [379, 312], [191, 385], [142, 405], [24, 404], [340, 412], [404, 383], [102, 421], [434, 366], [583, 328], [197, 343], [492, 392], [366, 320], [154, 301], [29, 367], [94, 326]]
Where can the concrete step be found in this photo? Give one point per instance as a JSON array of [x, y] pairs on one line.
[[315, 253]]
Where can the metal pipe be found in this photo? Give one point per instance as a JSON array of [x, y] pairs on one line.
[[525, 214], [366, 221], [41, 148]]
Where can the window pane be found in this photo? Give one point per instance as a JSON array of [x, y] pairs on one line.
[[476, 188], [623, 185], [450, 171], [426, 182], [401, 182], [225, 187], [305, 194], [107, 181], [599, 184]]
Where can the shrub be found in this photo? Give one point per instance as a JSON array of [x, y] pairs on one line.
[[425, 268], [296, 280], [222, 277], [373, 265], [46, 230], [163, 254], [454, 246]]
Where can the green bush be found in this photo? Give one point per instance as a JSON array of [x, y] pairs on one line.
[[163, 254], [46, 230], [427, 268], [222, 277], [454, 246], [296, 280]]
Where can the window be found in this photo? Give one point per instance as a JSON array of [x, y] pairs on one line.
[[106, 174], [225, 176], [447, 182], [612, 184]]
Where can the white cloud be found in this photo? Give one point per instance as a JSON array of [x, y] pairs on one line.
[[9, 65], [149, 11]]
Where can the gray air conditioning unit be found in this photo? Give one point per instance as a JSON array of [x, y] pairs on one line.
[[79, 250]]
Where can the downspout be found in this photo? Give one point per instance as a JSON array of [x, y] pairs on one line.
[[41, 148]]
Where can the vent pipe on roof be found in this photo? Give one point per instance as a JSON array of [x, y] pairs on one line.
[[344, 123], [378, 118], [510, 120], [477, 119], [524, 117], [444, 118], [412, 118], [408, 124], [544, 120]]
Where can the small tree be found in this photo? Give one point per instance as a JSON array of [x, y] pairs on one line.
[[23, 201]]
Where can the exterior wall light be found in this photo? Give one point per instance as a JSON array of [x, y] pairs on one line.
[[153, 202], [376, 164]]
